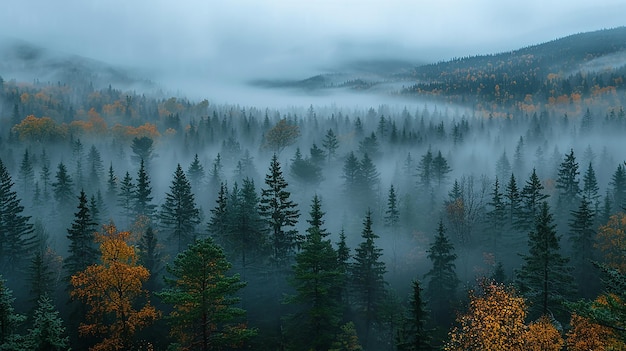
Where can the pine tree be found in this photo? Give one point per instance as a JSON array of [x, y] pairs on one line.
[[16, 233], [281, 215], [202, 295], [27, 175], [179, 215], [545, 279], [219, 221], [443, 282], [440, 169], [48, 332], [351, 170], [392, 215], [368, 282], [96, 168], [151, 258], [425, 170], [513, 202], [111, 193], [9, 320], [413, 336], [590, 189], [497, 216], [63, 187], [567, 183], [368, 180], [125, 196], [82, 251], [618, 184], [195, 173], [316, 280], [532, 198], [142, 197], [582, 237]]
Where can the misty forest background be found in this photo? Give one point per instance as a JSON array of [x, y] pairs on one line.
[[383, 227]]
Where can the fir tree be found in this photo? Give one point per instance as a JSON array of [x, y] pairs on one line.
[[582, 237], [111, 193], [545, 278], [618, 184], [179, 215], [531, 197], [96, 168], [16, 233], [497, 216], [413, 336], [392, 215], [316, 280], [590, 188], [151, 258], [142, 194], [281, 215], [219, 221], [48, 332], [440, 169], [513, 202], [40, 277], [443, 282], [27, 174], [82, 251], [425, 170], [125, 196], [45, 175], [9, 320], [203, 298], [351, 170], [63, 187], [368, 282], [567, 183], [195, 173]]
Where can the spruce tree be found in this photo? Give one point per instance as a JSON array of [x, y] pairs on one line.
[[567, 183], [531, 197], [63, 188], [413, 336], [331, 144], [392, 214], [195, 173], [96, 168], [27, 174], [125, 197], [142, 196], [316, 279], [351, 170], [48, 332], [545, 279], [179, 215], [111, 193], [219, 222], [16, 232], [425, 171], [443, 281], [82, 250], [582, 236], [440, 169], [513, 202], [497, 217], [150, 257], [618, 186], [368, 282], [280, 214], [9, 320], [40, 277]]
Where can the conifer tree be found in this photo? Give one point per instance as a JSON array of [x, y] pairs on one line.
[[195, 173], [40, 277], [82, 251], [368, 180], [368, 282], [413, 336], [582, 237], [16, 232], [125, 196], [545, 279], [281, 215], [219, 221], [392, 214], [496, 216], [111, 193], [513, 202], [179, 215], [618, 185], [48, 332], [531, 197], [316, 280], [425, 170], [567, 183], [45, 175], [331, 144], [151, 258], [63, 187], [203, 298], [590, 189], [142, 194], [351, 169], [27, 174], [440, 169], [9, 320], [96, 168], [443, 281]]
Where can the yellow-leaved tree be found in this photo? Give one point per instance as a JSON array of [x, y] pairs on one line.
[[112, 290], [494, 322], [542, 335]]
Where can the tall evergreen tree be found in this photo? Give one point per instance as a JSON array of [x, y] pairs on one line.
[[532, 197], [567, 183], [590, 189], [40, 277], [111, 193], [545, 279], [45, 175], [368, 282], [497, 216], [440, 169], [281, 215], [351, 170], [513, 202], [195, 173], [582, 237], [331, 144], [96, 168], [618, 185], [150, 257], [82, 251], [142, 194], [368, 180], [125, 196], [316, 279], [16, 232], [425, 170], [413, 335], [63, 187], [443, 282], [9, 320], [179, 215], [219, 221], [48, 332], [27, 174], [203, 298], [392, 214]]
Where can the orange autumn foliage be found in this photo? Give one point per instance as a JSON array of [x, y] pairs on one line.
[[543, 336], [112, 290], [43, 129], [611, 241], [585, 335]]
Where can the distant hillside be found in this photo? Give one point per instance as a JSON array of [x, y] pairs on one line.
[[577, 64], [27, 62]]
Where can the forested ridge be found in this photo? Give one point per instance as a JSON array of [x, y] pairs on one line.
[[135, 222]]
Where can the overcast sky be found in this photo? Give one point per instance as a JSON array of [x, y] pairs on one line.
[[258, 38]]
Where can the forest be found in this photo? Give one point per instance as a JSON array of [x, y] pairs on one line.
[[136, 221]]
